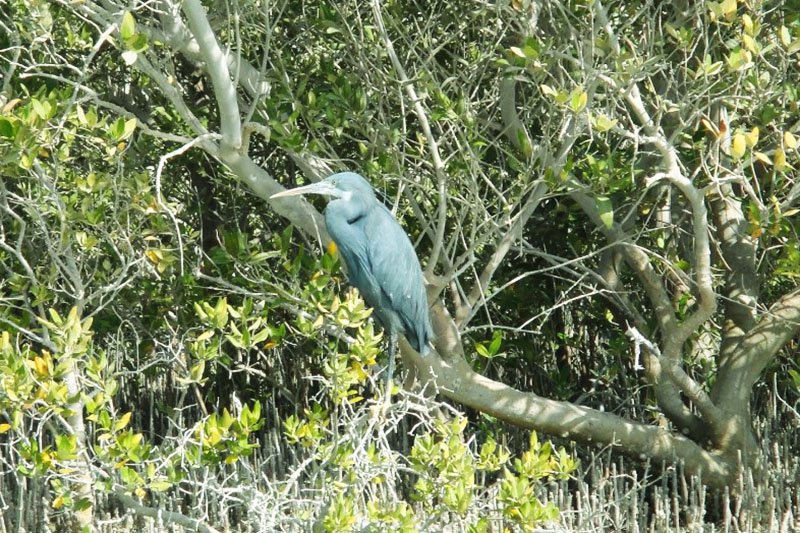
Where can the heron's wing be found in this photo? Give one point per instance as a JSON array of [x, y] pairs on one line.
[[395, 269]]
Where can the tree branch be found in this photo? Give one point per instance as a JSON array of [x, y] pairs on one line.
[[456, 380], [503, 247], [433, 146], [216, 65], [738, 373]]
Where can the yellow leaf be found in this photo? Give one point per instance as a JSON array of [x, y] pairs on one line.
[[332, 248], [4, 428], [747, 24], [761, 156], [789, 140], [728, 9], [710, 127], [58, 503], [780, 159], [154, 256], [72, 317], [785, 36], [752, 137], [41, 366], [738, 146], [123, 421], [750, 43]]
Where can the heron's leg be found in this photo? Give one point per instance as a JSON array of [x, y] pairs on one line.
[[390, 368]]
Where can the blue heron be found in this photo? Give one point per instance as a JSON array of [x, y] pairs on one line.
[[380, 259]]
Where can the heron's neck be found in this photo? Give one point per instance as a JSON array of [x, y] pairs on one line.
[[345, 210]]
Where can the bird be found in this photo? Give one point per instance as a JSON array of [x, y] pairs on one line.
[[380, 259]]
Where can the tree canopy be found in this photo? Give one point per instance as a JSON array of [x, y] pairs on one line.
[[603, 198]]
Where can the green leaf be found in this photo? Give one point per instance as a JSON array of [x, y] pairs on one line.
[[138, 43], [7, 128], [795, 375], [497, 339], [128, 128], [578, 100], [128, 27], [481, 349], [602, 123], [160, 486], [197, 371], [740, 59], [606, 210], [42, 109]]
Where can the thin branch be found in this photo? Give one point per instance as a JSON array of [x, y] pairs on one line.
[[433, 146], [503, 247]]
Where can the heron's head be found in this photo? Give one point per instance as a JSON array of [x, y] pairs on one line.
[[345, 185]]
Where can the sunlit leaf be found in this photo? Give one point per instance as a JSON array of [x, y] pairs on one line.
[[738, 146], [761, 156], [129, 57], [789, 140], [606, 210], [122, 421], [752, 137], [747, 24], [602, 123], [127, 28], [779, 159], [578, 100], [785, 36]]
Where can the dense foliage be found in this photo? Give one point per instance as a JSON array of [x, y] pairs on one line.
[[603, 197]]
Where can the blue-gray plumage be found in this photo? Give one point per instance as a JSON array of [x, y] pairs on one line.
[[380, 259]]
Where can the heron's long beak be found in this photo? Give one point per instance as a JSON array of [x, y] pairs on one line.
[[320, 187]]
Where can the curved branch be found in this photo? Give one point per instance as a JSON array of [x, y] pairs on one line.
[[667, 394], [513, 233], [456, 380], [216, 65], [738, 373]]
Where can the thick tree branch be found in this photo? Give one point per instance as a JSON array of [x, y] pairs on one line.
[[737, 247], [515, 131], [673, 174], [666, 391], [637, 260], [456, 380], [216, 65], [738, 373]]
